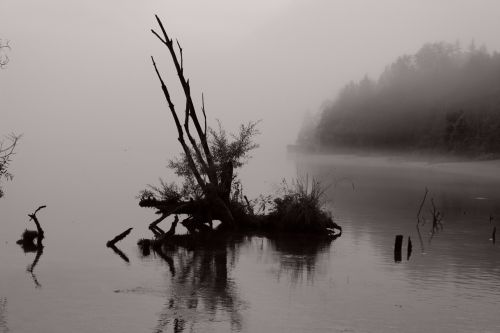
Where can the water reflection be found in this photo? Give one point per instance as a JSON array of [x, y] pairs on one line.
[[297, 256], [120, 253], [201, 288], [32, 247]]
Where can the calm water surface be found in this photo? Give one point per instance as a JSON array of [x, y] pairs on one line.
[[450, 283]]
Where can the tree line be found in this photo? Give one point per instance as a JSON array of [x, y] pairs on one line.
[[443, 99]]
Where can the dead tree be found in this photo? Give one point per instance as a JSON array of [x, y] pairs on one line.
[[213, 182]]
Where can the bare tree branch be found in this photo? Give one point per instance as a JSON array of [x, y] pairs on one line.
[[179, 130], [192, 111], [204, 114]]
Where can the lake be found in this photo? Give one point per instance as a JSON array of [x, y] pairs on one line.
[[449, 283]]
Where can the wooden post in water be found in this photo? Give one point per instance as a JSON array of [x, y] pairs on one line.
[[493, 235], [398, 244]]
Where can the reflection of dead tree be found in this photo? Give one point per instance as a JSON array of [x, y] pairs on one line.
[[421, 206], [201, 290], [419, 221], [31, 267], [436, 215], [4, 59]]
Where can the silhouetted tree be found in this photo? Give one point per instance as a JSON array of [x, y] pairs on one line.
[[210, 189], [208, 160]]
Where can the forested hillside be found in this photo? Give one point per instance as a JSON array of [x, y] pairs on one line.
[[442, 98]]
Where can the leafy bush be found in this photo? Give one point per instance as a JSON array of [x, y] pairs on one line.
[[299, 206]]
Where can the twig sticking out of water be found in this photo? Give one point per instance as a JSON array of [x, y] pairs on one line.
[[118, 238], [37, 223]]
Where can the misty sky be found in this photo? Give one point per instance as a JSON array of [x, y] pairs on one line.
[[81, 88]]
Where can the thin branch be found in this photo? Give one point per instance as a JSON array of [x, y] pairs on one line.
[[194, 143], [37, 223], [118, 238], [187, 152], [156, 34], [204, 114], [180, 50], [192, 111]]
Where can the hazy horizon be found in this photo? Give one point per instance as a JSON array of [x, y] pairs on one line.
[[81, 88]]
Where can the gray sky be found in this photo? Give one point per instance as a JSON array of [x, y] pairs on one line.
[[81, 87]]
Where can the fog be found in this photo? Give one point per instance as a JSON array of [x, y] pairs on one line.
[[81, 88]]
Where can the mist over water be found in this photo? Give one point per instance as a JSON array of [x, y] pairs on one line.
[[80, 87], [449, 284]]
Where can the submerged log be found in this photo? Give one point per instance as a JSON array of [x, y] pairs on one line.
[[118, 238]]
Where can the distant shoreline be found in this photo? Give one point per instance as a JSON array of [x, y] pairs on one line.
[[489, 169]]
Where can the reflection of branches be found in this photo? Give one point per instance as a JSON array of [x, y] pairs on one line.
[[420, 208], [119, 253], [420, 240], [201, 288], [437, 217], [30, 268]]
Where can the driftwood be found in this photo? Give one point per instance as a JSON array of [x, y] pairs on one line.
[[28, 237], [112, 244], [118, 238]]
